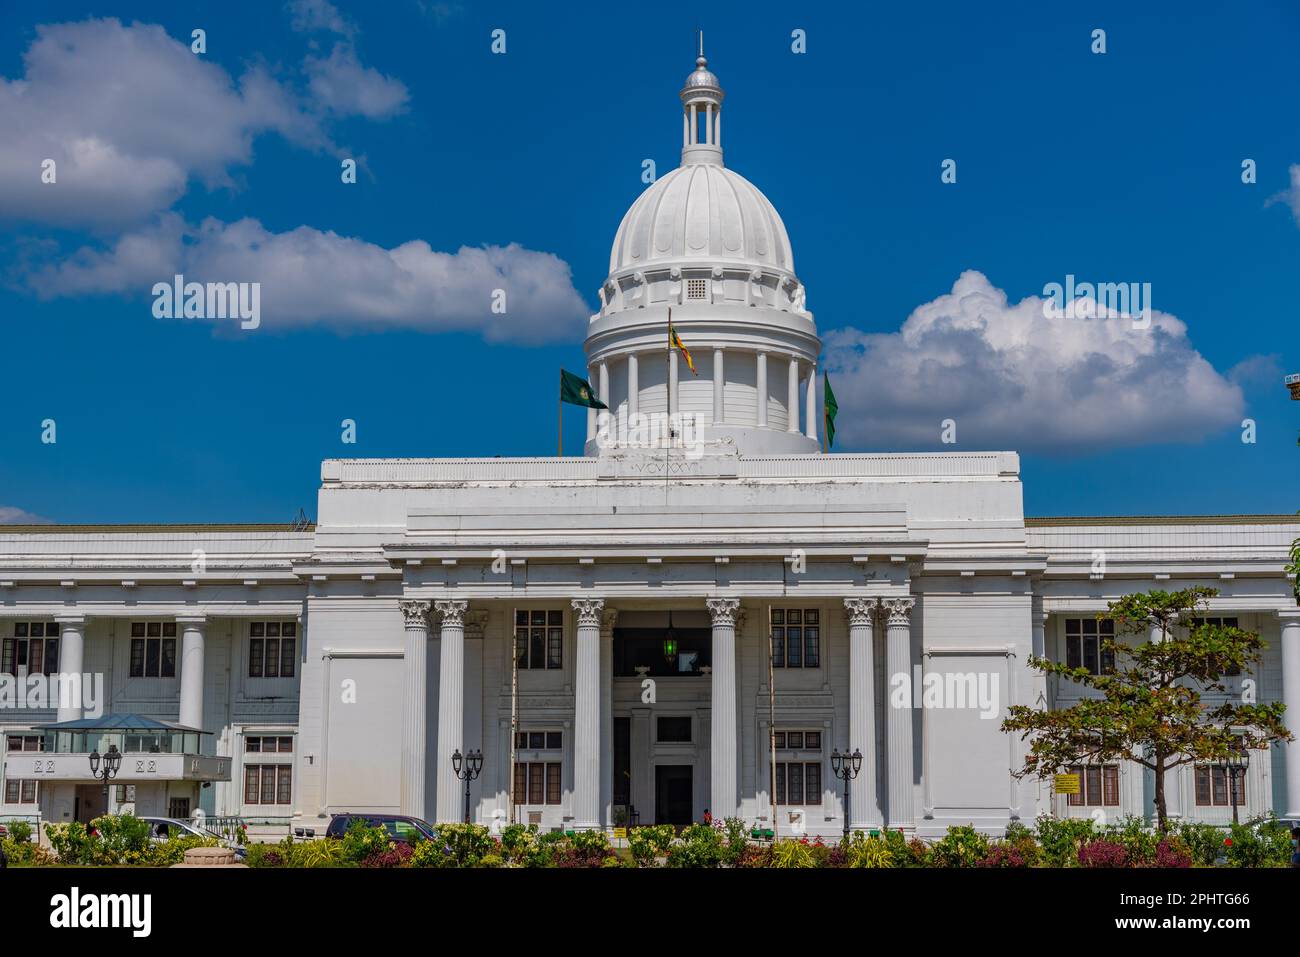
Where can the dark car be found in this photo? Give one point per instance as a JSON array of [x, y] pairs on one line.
[[400, 827]]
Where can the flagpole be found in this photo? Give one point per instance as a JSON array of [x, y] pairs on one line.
[[559, 427], [826, 439], [771, 718]]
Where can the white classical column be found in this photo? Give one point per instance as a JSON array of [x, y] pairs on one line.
[[72, 638], [607, 620], [792, 397], [865, 810], [586, 715], [1290, 621], [723, 751], [451, 706], [1038, 688], [898, 721], [192, 653], [811, 403], [415, 615], [760, 388], [717, 128], [708, 124], [591, 415], [633, 385], [719, 384], [603, 415]]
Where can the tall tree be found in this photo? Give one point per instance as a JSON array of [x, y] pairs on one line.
[[1148, 708]]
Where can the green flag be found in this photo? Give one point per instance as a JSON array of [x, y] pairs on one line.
[[830, 407], [577, 391]]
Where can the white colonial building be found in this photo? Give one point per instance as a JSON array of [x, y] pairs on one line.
[[643, 616]]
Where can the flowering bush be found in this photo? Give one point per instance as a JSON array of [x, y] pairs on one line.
[[362, 841], [700, 845], [1004, 854], [1171, 852], [1258, 844], [649, 843], [862, 850], [398, 854], [1103, 853], [962, 846]]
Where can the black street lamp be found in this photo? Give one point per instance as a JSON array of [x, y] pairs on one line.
[[846, 767], [467, 768], [1234, 765], [112, 760]]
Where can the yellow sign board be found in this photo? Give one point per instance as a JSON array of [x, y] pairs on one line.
[[1066, 784], [620, 832]]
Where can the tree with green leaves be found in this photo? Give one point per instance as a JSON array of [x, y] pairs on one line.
[[1148, 708]]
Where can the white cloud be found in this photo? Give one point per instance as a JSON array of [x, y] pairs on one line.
[[130, 116], [346, 88], [312, 277], [9, 515], [309, 16], [1291, 195], [1013, 379]]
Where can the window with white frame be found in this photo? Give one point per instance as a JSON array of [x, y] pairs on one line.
[[539, 638], [268, 784], [18, 790], [153, 649], [1098, 785], [1213, 784], [267, 779], [537, 774], [1085, 640], [272, 649], [796, 638], [798, 767], [31, 648]]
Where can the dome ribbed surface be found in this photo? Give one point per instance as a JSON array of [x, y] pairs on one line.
[[704, 212]]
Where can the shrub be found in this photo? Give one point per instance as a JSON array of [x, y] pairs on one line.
[[267, 855], [20, 832], [361, 841], [792, 853], [1061, 839], [736, 839], [862, 850], [467, 842], [756, 855], [119, 839], [962, 846], [700, 845], [398, 854], [322, 853], [26, 854], [1103, 853], [1264, 843], [1005, 854], [1138, 840], [585, 849], [904, 852], [648, 843], [1172, 852], [1203, 841], [70, 842]]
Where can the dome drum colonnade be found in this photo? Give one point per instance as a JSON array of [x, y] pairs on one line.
[[705, 243]]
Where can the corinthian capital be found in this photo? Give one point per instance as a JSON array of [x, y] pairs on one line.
[[859, 610], [415, 612], [899, 610], [452, 611], [588, 611], [725, 611]]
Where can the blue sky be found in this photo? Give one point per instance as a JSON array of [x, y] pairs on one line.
[[1117, 167]]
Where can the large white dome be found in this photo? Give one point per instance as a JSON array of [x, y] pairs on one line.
[[703, 325], [701, 212]]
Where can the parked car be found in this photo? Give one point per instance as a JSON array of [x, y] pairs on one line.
[[408, 830], [165, 828]]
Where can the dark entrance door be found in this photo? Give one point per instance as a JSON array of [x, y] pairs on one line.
[[674, 794]]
